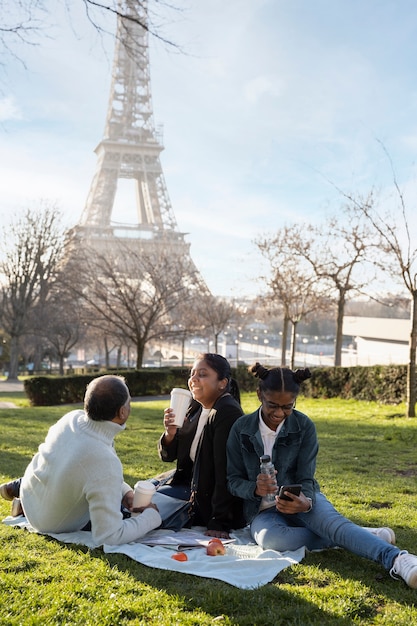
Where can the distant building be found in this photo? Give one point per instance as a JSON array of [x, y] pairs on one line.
[[376, 341]]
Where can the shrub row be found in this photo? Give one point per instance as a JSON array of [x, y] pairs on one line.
[[386, 384], [379, 383], [52, 390]]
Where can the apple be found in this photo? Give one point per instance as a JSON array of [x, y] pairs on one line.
[[216, 548], [179, 556]]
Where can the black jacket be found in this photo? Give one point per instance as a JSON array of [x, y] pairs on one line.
[[216, 507]]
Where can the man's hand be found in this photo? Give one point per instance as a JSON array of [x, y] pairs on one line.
[[140, 509], [127, 500]]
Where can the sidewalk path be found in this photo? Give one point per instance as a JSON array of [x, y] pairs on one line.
[[11, 386], [7, 386]]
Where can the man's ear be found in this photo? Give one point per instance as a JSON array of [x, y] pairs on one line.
[[121, 415]]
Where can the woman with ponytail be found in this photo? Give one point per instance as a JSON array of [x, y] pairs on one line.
[[201, 443], [289, 437]]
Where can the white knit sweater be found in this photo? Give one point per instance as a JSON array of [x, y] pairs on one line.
[[76, 476]]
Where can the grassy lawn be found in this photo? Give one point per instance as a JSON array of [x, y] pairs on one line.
[[367, 467]]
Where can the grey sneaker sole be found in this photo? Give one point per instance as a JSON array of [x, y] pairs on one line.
[[4, 493]]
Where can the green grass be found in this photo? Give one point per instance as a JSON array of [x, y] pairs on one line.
[[367, 466], [18, 398]]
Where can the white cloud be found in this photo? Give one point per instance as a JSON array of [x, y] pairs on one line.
[[261, 86], [9, 110]]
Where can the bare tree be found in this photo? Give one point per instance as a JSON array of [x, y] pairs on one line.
[[110, 344], [292, 284], [337, 252], [186, 321], [215, 314], [32, 249], [133, 292], [276, 308], [28, 21], [396, 255], [59, 322]]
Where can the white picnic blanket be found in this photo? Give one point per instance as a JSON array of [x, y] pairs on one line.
[[245, 565]]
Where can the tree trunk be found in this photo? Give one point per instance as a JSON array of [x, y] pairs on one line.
[[182, 350], [37, 357], [140, 350], [107, 353], [14, 358], [293, 343], [284, 342], [411, 370], [339, 329]]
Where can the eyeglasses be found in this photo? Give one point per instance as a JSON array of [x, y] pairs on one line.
[[285, 408]]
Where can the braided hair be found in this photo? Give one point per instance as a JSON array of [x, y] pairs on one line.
[[279, 378]]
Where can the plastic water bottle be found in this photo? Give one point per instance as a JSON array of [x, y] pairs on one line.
[[267, 467]]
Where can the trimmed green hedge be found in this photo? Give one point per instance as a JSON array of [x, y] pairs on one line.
[[386, 384], [379, 383], [53, 390]]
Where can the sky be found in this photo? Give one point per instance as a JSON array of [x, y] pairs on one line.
[[268, 107]]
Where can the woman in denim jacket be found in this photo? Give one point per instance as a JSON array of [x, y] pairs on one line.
[[309, 519]]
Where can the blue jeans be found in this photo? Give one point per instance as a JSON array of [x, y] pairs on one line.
[[323, 527], [182, 492]]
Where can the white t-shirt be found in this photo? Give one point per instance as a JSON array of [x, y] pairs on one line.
[[268, 438], [202, 421]]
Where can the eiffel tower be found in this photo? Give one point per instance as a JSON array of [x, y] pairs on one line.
[[130, 149]]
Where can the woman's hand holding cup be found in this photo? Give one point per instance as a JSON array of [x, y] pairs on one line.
[[169, 424]]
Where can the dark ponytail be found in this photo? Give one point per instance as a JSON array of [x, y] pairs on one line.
[[234, 389]]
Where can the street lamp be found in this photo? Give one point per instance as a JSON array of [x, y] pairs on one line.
[[255, 338], [305, 342], [183, 335], [266, 342], [238, 337]]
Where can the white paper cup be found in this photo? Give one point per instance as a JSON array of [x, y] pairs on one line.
[[180, 401], [143, 493]]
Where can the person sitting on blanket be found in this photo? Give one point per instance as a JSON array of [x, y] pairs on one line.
[[76, 477], [309, 519], [199, 446]]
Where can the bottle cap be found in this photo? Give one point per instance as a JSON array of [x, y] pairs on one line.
[[265, 458]]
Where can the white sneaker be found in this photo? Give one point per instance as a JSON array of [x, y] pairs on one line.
[[405, 567], [385, 533]]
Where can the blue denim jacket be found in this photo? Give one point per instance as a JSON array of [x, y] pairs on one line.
[[294, 457]]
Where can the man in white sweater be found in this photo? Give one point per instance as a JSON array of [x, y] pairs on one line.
[[77, 477]]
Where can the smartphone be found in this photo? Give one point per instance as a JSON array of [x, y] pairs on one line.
[[295, 489]]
